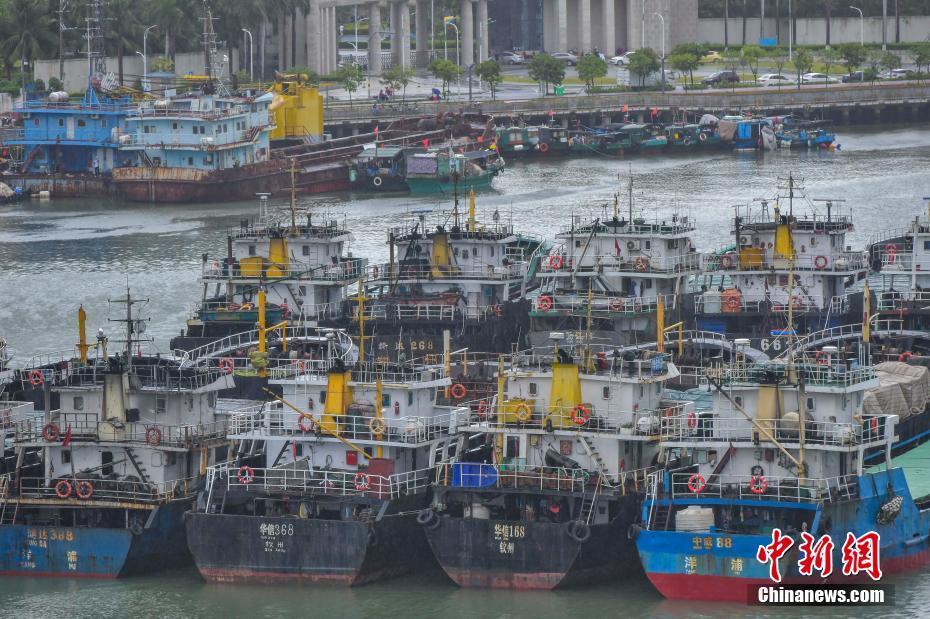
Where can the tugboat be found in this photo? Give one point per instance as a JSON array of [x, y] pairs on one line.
[[550, 474], [783, 448], [347, 454], [462, 277], [100, 485], [621, 273], [782, 261]]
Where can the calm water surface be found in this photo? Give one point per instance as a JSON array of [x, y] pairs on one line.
[[55, 255]]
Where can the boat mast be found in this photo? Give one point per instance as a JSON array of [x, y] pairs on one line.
[[294, 198], [134, 326]]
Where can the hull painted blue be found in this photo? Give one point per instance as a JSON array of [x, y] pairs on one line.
[[718, 565]]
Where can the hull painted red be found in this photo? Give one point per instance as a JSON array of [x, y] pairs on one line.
[[29, 574]]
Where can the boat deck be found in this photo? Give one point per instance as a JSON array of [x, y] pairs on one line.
[[916, 466]]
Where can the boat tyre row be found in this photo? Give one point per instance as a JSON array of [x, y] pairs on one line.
[[578, 530]]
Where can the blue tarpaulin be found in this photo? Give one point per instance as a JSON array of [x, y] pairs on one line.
[[473, 475]]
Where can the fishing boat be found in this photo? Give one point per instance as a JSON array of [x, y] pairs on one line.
[[782, 449], [100, 484], [796, 133], [380, 168], [457, 275], [341, 471], [549, 477], [445, 171], [517, 140], [622, 273]]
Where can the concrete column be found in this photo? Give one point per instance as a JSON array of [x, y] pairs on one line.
[[288, 61], [300, 18], [484, 44], [422, 28], [561, 24], [584, 26], [467, 34], [324, 42], [314, 47], [403, 8], [374, 39], [394, 8], [608, 18], [334, 33]]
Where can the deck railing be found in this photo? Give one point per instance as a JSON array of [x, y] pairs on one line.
[[836, 262], [86, 427], [345, 270], [386, 271], [602, 306], [561, 264], [102, 490], [764, 488]]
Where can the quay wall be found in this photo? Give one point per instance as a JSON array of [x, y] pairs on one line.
[[813, 30]]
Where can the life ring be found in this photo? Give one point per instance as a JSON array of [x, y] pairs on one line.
[[458, 391], [63, 489], [377, 426], [36, 378], [702, 137], [246, 474], [227, 365], [687, 140], [84, 490], [581, 414], [556, 262], [692, 420], [820, 263], [51, 432], [544, 303], [497, 310], [362, 481], [641, 263], [153, 436], [246, 307], [306, 429], [758, 484], [726, 261], [891, 248], [732, 303], [821, 358], [543, 147], [616, 305], [905, 356], [377, 181], [482, 409], [523, 412], [697, 483]]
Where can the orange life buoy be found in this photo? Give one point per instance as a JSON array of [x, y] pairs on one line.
[[51, 432], [63, 489], [458, 391], [758, 484], [641, 263], [697, 483], [726, 261], [305, 428], [556, 262], [227, 364], [246, 474], [153, 436], [482, 409], [821, 358], [362, 481], [820, 263], [905, 356], [544, 303], [616, 305], [36, 378], [580, 415], [732, 303], [544, 147], [498, 310], [692, 420], [85, 489]]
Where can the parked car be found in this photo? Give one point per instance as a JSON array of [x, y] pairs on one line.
[[721, 77], [855, 76], [711, 56], [776, 79], [510, 58], [818, 78], [621, 60], [895, 74], [569, 59]]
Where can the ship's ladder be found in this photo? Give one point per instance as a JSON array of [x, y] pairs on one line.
[[588, 504], [596, 458], [143, 474]]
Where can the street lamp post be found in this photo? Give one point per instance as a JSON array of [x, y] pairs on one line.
[[145, 62], [790, 31], [861, 24], [457, 46], [251, 65], [662, 19], [884, 27]]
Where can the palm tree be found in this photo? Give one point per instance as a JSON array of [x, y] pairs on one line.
[[123, 31], [178, 19], [26, 32]]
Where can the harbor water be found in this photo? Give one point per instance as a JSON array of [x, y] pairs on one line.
[[55, 255]]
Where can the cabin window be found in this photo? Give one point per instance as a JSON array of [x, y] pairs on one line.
[[65, 456], [61, 122], [606, 393], [672, 244], [81, 123], [512, 447], [174, 126], [106, 462], [157, 459], [642, 392], [578, 243], [190, 161], [533, 389], [306, 250], [195, 130], [647, 244], [251, 250], [810, 404], [322, 397], [299, 450], [303, 290], [103, 123], [78, 402], [647, 284], [739, 400], [409, 398], [926, 245], [161, 404]]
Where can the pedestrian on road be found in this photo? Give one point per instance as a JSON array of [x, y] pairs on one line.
[[96, 167]]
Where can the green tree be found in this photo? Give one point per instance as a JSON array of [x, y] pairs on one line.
[[178, 20], [752, 56], [830, 57], [685, 62], [397, 78], [445, 70], [890, 61], [697, 49], [591, 68], [644, 62], [123, 30], [349, 77], [802, 63], [852, 55], [779, 58], [873, 61], [732, 59], [26, 32], [489, 72], [921, 54], [548, 70]]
